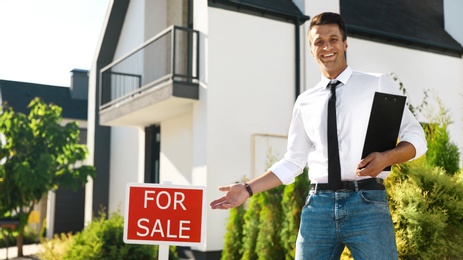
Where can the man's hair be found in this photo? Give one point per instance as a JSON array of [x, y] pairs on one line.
[[330, 18]]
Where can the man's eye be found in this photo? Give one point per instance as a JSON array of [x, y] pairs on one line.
[[334, 40], [318, 43]]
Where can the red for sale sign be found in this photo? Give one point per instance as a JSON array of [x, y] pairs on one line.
[[164, 214]]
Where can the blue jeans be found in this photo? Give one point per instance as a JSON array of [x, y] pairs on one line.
[[360, 220]]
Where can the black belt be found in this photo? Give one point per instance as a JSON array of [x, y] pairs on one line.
[[366, 184]]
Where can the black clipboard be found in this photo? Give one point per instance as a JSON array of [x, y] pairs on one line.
[[384, 124]]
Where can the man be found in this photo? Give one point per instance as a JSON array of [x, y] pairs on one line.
[[353, 213]]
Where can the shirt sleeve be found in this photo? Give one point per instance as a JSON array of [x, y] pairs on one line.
[[411, 130], [298, 147]]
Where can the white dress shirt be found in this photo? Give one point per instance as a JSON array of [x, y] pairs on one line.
[[307, 136]]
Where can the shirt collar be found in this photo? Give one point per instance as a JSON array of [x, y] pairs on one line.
[[343, 77]]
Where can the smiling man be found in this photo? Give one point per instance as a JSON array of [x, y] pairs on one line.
[[346, 204]]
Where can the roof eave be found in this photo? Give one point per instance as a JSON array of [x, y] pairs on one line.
[[404, 41]]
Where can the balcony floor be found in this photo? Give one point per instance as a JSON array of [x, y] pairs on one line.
[[151, 106]]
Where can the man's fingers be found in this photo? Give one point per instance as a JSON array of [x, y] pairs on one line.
[[224, 188], [218, 201], [221, 203]]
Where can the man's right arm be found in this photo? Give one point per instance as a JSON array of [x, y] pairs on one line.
[[237, 194]]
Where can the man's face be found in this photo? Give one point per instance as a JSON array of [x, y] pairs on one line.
[[328, 49]]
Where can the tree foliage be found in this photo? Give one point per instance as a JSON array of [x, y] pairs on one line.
[[442, 152], [294, 198], [234, 236], [427, 210], [270, 223], [37, 154]]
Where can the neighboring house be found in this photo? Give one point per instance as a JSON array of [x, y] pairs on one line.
[[201, 92], [64, 209]]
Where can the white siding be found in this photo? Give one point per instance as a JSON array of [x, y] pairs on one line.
[[251, 89], [126, 163], [132, 34], [176, 150]]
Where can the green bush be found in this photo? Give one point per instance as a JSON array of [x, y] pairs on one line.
[[55, 248], [427, 210], [268, 244], [269, 225], [101, 239], [294, 197], [251, 228], [234, 236], [441, 152]]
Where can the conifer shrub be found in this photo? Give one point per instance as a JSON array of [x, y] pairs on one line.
[[427, 211], [270, 223], [442, 152], [268, 244], [251, 228], [294, 197], [233, 247]]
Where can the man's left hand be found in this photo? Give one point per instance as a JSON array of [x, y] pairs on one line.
[[372, 165]]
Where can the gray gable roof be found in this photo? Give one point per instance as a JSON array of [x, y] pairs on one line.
[[407, 23], [19, 95], [284, 10]]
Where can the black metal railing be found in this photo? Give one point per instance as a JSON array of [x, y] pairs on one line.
[[171, 55]]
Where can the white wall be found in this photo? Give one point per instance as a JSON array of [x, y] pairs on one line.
[[126, 163], [132, 34], [251, 89], [176, 150]]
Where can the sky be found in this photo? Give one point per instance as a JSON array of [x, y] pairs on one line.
[[41, 41]]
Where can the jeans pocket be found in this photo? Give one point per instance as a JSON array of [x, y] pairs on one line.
[[374, 196]]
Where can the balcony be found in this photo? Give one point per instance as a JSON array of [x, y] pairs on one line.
[[154, 82]]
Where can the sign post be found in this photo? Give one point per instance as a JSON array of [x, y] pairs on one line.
[[164, 214]]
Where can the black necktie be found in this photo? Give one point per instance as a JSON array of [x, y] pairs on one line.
[[334, 166]]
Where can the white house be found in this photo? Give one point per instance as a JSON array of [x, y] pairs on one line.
[[201, 92]]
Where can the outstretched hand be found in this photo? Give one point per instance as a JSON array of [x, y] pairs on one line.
[[235, 196]]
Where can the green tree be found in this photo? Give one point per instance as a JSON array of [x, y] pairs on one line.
[[268, 244], [294, 198], [427, 211], [232, 249], [441, 151], [37, 155], [251, 228]]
